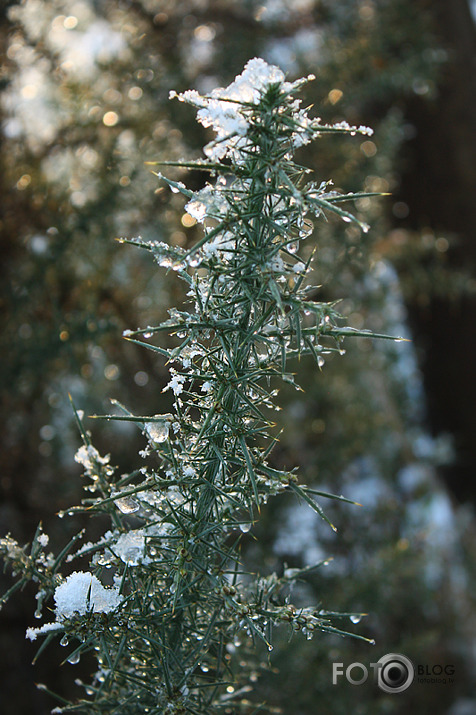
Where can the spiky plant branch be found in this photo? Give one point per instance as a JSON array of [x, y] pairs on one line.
[[164, 631]]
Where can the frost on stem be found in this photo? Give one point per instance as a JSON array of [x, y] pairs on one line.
[[166, 627]]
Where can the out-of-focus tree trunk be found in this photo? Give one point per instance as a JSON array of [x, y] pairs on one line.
[[440, 190]]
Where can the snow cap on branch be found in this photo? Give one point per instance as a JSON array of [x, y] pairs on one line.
[[226, 109]]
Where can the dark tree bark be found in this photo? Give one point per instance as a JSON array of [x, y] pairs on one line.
[[440, 188]]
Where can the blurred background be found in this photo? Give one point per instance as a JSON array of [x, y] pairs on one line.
[[84, 103]]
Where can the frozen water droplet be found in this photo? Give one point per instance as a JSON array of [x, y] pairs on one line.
[[245, 527], [74, 658], [127, 505], [157, 431], [306, 229], [346, 219], [64, 641], [320, 361], [293, 247], [356, 618], [38, 613], [102, 560], [270, 647], [146, 335]]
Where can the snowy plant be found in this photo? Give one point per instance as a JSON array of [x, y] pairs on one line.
[[165, 602]]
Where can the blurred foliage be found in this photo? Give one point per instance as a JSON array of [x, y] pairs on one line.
[[84, 104]]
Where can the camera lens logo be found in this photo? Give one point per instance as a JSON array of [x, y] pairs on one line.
[[396, 673]]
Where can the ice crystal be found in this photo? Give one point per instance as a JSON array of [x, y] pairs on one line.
[[127, 505], [130, 548], [158, 431]]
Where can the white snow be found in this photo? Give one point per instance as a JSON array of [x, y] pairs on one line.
[[176, 383], [227, 109], [33, 633], [89, 457], [83, 592], [43, 539]]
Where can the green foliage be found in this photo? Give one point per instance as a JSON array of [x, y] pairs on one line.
[[161, 633], [67, 291]]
